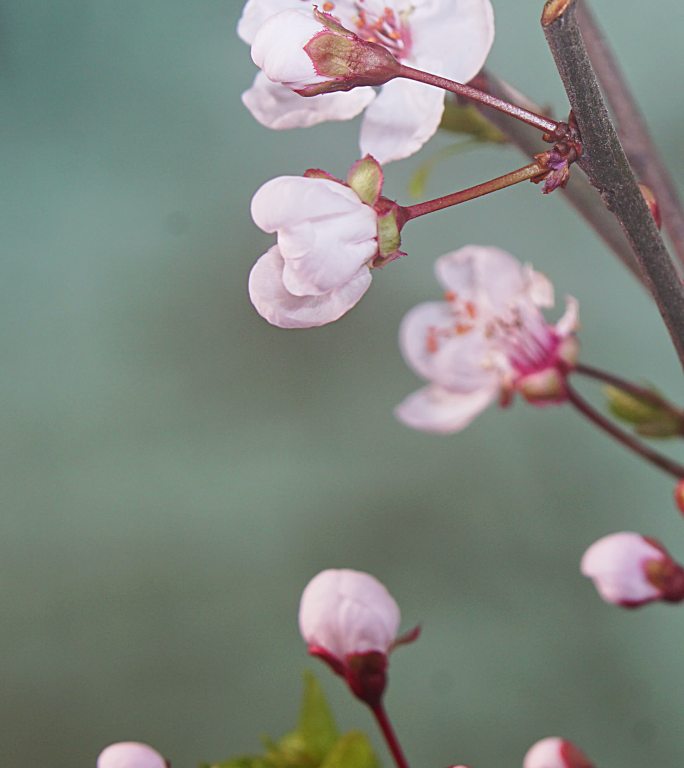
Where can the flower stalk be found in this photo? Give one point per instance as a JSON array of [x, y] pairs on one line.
[[389, 735]]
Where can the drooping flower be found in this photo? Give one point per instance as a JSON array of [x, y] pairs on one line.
[[486, 341], [330, 234], [349, 620], [631, 570], [130, 754], [555, 753], [450, 38]]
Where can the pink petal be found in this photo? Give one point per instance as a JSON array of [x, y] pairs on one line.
[[277, 305], [452, 38], [277, 107], [130, 754], [400, 120], [458, 362], [345, 611], [256, 12], [434, 409], [487, 276]]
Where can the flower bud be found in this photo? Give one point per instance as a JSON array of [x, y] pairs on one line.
[[631, 570], [312, 53], [130, 754], [555, 753], [349, 620]]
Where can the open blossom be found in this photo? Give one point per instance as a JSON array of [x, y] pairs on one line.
[[130, 754], [349, 620], [450, 38], [485, 342], [330, 234], [631, 570], [555, 753]]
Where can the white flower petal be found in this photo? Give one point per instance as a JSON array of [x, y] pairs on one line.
[[485, 275], [400, 120], [256, 12], [278, 48], [616, 563], [277, 305], [345, 612], [458, 362], [434, 409], [539, 288], [569, 322], [452, 37], [325, 233], [130, 754], [277, 107]]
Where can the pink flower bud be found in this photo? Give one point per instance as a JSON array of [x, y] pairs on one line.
[[631, 570], [349, 620], [130, 754], [312, 53], [555, 753]]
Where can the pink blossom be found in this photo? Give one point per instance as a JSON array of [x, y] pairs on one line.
[[486, 341], [631, 570], [555, 753], [330, 234], [349, 620], [130, 754], [450, 38]]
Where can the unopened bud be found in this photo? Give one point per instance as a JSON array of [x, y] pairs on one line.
[[312, 53], [631, 570], [651, 415], [555, 753], [130, 754], [652, 203]]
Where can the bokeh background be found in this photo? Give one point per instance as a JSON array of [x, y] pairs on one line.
[[175, 469]]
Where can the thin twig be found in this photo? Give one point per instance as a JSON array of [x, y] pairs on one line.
[[606, 165], [579, 192], [624, 438], [632, 128]]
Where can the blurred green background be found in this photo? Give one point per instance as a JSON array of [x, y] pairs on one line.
[[175, 469]]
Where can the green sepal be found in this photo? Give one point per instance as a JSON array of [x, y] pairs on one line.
[[353, 750], [389, 234], [365, 177], [466, 119], [648, 418]]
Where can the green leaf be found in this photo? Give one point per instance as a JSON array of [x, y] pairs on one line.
[[466, 119], [629, 407], [353, 750], [316, 723], [240, 762]]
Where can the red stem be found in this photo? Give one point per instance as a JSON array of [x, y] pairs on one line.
[[544, 124], [390, 736], [526, 173], [599, 420]]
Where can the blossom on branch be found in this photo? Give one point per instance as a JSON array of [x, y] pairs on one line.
[[330, 234], [349, 620], [631, 570], [450, 38], [130, 754], [555, 753], [485, 342]]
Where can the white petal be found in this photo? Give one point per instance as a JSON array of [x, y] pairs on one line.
[[400, 120], [434, 409], [539, 288], [325, 233], [347, 612], [452, 37], [554, 752], [130, 754], [276, 106], [274, 303], [616, 563], [569, 322], [278, 48], [459, 362], [256, 12], [485, 275]]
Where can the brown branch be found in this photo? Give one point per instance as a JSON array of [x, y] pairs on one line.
[[579, 193], [634, 134], [606, 165]]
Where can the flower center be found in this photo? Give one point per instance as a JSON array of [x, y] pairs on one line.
[[378, 23], [528, 342]]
